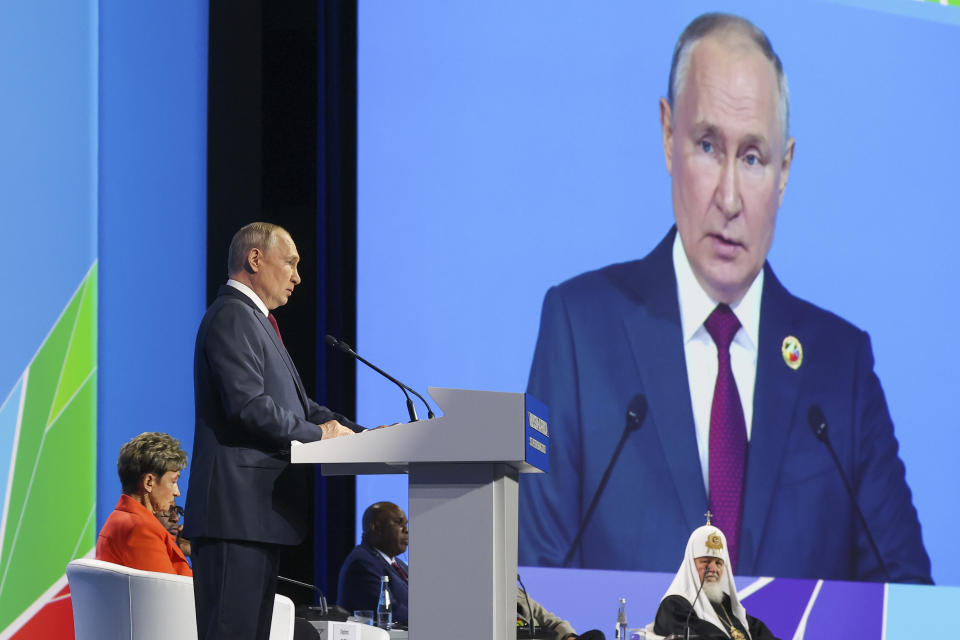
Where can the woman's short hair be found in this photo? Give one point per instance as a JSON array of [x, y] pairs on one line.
[[149, 452]]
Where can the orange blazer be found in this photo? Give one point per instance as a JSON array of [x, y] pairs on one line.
[[133, 537]]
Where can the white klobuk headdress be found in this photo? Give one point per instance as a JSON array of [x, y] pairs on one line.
[[707, 541]]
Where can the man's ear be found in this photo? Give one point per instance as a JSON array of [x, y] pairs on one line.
[[785, 167], [254, 260], [666, 127]]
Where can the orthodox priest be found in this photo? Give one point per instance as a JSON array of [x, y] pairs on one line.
[[717, 612]]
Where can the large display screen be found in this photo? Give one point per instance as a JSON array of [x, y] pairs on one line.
[[505, 147]]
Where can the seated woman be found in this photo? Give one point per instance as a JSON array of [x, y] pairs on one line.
[[149, 467]]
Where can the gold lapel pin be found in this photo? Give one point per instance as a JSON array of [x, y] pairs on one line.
[[792, 352]]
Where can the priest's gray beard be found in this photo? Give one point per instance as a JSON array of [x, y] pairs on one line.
[[713, 591]]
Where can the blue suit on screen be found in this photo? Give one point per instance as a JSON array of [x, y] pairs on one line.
[[610, 334]]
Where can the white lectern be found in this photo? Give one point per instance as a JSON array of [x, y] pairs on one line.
[[463, 470]]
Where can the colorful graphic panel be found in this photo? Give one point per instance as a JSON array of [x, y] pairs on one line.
[[50, 421]]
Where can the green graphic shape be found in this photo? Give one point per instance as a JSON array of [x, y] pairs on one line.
[[51, 517]]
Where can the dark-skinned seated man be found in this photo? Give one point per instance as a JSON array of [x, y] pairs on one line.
[[385, 536], [717, 612]]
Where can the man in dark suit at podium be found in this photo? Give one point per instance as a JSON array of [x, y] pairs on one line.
[[245, 498], [728, 362], [385, 536]]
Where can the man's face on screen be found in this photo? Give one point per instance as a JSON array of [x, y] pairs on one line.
[[724, 147]]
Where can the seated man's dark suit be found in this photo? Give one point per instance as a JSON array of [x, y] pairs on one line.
[[358, 586], [608, 335], [250, 403]]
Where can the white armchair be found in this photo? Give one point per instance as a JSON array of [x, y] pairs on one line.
[[113, 602]]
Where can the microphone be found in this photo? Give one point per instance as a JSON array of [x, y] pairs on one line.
[[686, 623], [322, 608], [818, 424], [340, 345], [636, 413]]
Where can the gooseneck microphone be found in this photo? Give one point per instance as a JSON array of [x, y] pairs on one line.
[[686, 623], [342, 346], [818, 424], [321, 607], [636, 414]]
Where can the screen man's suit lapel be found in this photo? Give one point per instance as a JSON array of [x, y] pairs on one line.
[[775, 413], [656, 341]]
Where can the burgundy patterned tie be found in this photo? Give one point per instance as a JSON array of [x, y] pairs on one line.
[[399, 569], [728, 434], [276, 327]]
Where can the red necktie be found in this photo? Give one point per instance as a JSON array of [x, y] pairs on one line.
[[403, 574], [728, 434], [273, 321]]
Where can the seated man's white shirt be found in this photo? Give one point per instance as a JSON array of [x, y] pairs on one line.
[[389, 559]]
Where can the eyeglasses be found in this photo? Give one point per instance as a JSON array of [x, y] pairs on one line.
[[175, 509]]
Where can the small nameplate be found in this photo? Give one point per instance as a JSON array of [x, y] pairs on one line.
[[538, 423], [536, 444], [537, 435]]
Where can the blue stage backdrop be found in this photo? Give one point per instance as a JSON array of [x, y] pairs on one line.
[[504, 147], [103, 177], [153, 224]]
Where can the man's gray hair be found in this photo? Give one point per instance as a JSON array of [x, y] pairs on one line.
[[256, 235], [726, 23]]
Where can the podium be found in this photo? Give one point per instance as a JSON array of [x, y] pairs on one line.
[[463, 469]]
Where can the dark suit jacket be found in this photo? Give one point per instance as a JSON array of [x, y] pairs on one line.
[[358, 586], [613, 333], [250, 403]]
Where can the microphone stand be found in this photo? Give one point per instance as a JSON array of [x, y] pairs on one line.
[[636, 413], [322, 608], [818, 423], [686, 623], [340, 345]]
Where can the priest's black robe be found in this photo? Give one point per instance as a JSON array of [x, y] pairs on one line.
[[673, 611]]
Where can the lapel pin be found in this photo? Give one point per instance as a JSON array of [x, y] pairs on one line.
[[792, 352]]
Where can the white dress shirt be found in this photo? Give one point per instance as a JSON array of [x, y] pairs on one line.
[[701, 352], [247, 291], [389, 560]]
